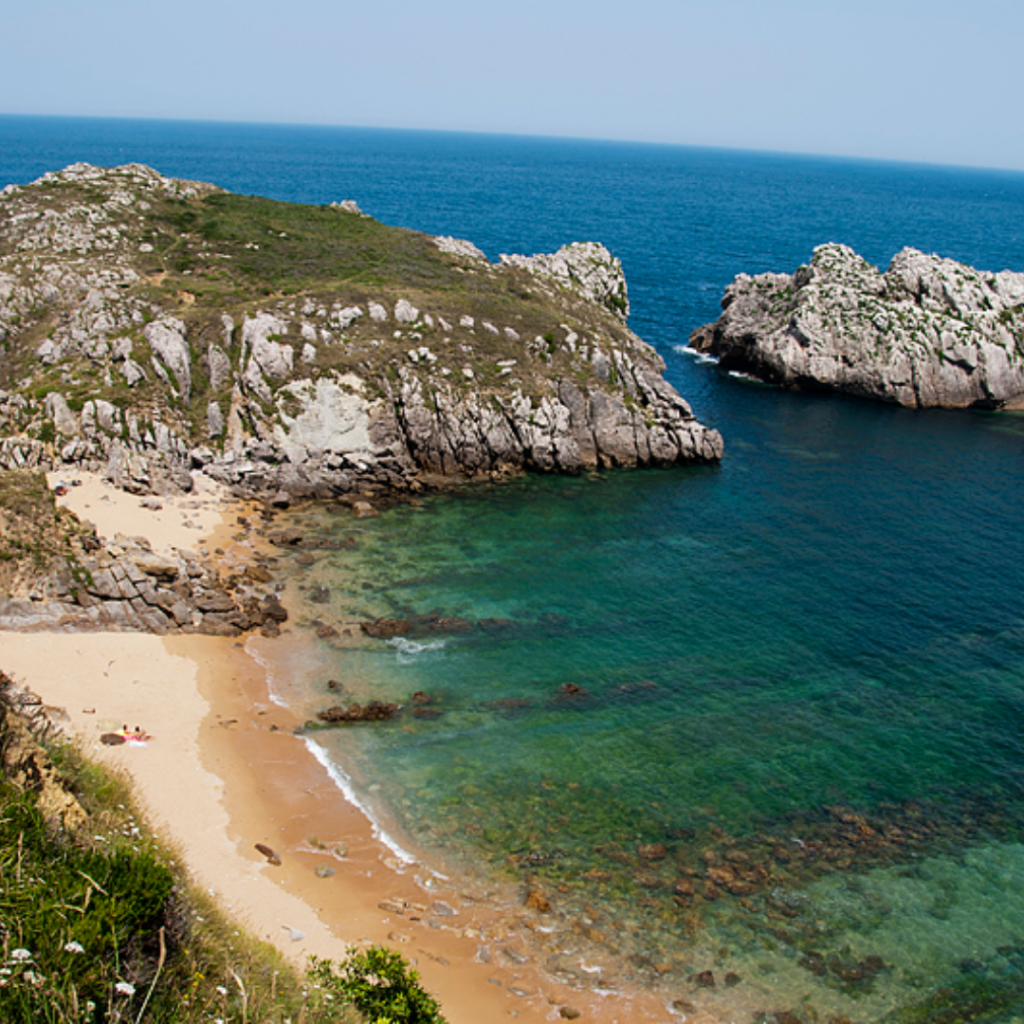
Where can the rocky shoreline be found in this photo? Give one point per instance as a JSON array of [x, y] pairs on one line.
[[155, 327], [929, 332], [125, 586], [79, 580]]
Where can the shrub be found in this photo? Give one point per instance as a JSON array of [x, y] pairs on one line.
[[381, 985]]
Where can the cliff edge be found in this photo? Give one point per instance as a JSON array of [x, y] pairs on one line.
[[150, 326], [927, 332]]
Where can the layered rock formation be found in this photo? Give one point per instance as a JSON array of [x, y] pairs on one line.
[[57, 574], [927, 332], [150, 326]]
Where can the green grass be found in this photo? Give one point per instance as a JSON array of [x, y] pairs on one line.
[[34, 533], [379, 983], [216, 254], [104, 925]]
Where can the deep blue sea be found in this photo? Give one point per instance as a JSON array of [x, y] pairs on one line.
[[795, 755]]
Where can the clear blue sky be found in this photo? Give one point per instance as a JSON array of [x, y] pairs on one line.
[[938, 81]]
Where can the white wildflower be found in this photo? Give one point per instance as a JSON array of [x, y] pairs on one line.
[[125, 988], [222, 990], [20, 955], [73, 947]]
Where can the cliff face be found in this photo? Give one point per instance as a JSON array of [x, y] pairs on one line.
[[150, 325], [927, 332]]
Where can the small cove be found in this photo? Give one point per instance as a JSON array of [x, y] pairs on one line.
[[799, 673], [813, 700]]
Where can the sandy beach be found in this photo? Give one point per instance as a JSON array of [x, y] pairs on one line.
[[166, 522], [224, 771]]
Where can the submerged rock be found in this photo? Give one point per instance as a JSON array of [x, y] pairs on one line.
[[652, 851], [289, 537], [536, 900], [385, 629], [443, 624], [495, 625], [273, 610], [375, 711], [507, 704], [571, 695]]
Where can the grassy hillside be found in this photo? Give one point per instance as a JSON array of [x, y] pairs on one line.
[[99, 921], [197, 253]]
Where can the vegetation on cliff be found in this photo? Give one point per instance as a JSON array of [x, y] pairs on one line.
[[149, 325]]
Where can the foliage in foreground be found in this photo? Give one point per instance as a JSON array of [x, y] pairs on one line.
[[104, 926], [379, 983]]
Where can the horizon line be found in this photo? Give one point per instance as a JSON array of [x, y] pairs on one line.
[[540, 136]]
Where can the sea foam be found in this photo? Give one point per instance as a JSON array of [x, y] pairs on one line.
[[275, 697], [344, 783], [697, 357], [409, 650]]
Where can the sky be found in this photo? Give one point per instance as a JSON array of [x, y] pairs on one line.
[[934, 82]]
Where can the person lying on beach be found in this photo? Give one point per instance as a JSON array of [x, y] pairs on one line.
[[137, 737]]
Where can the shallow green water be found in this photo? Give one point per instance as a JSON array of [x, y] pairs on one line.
[[801, 674]]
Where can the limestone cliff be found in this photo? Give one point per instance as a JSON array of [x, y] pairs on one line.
[[150, 326], [927, 332]]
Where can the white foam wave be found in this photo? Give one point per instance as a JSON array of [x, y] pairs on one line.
[[742, 376], [409, 650], [699, 357], [275, 697], [344, 783]]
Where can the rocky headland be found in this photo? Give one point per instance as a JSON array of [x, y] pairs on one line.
[[151, 326], [927, 332]]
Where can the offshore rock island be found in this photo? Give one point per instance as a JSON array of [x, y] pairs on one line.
[[151, 326], [927, 332]]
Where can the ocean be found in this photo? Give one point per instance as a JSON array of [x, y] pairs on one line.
[[762, 719]]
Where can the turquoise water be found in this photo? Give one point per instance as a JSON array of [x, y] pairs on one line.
[[803, 667], [795, 752]]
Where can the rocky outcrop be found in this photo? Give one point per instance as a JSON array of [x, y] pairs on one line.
[[125, 587], [171, 354], [573, 429], [447, 367], [374, 711], [927, 332], [24, 762], [587, 267], [459, 247]]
